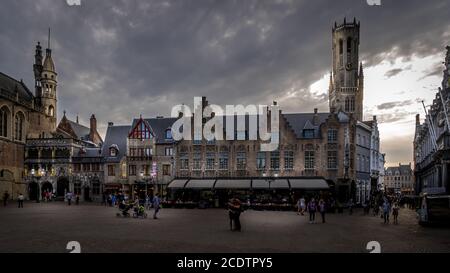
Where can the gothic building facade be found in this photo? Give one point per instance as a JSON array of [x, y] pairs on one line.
[[36, 154], [432, 140], [25, 114], [317, 150], [314, 145]]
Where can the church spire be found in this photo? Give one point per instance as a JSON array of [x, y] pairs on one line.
[[48, 50]]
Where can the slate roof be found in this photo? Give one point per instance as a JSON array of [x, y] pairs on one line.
[[158, 127], [116, 135], [300, 121], [10, 85], [88, 153], [402, 169], [297, 121], [81, 131]]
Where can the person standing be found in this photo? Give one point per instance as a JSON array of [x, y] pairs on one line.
[[5, 198], [386, 211], [113, 200], [20, 200], [69, 198], [395, 210], [350, 206], [322, 208], [312, 210], [231, 213], [301, 205], [147, 202], [156, 205], [235, 208], [77, 199]]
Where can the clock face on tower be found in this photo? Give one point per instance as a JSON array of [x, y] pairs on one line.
[[348, 66]]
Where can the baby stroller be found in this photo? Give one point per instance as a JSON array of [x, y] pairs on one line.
[[139, 212], [124, 208]]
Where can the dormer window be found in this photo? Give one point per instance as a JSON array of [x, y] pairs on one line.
[[168, 134], [308, 133], [113, 150]]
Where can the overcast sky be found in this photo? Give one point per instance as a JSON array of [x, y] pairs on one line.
[[120, 59]]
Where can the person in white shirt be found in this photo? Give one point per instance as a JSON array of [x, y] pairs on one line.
[[20, 200]]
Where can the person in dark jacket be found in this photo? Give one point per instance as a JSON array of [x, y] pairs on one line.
[[234, 212]]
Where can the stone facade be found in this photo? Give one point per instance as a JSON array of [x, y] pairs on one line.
[[399, 179], [24, 115], [432, 140]]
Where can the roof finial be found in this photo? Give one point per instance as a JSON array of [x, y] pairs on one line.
[[64, 113], [77, 118]]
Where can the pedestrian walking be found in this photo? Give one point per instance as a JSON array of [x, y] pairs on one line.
[[386, 211], [147, 202], [69, 198], [77, 200], [113, 200], [312, 210], [5, 198], [322, 209], [395, 211], [301, 204], [20, 200], [366, 207], [156, 205], [109, 200], [350, 206]]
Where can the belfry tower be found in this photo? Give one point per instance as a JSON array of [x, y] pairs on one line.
[[46, 82], [347, 77]]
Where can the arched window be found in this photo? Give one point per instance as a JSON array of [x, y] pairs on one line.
[[51, 110], [4, 121], [347, 102], [352, 104], [19, 126]]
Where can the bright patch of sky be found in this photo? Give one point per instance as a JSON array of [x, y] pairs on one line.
[[393, 91]]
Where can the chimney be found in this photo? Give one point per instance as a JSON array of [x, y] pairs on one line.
[[316, 118], [417, 119], [374, 118], [93, 128], [77, 120]]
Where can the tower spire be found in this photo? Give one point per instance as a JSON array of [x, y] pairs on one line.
[[48, 38]]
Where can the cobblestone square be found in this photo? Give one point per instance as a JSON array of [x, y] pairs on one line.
[[48, 227]]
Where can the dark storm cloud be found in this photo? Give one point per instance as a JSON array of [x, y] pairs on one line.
[[393, 72], [122, 58], [437, 71], [394, 104]]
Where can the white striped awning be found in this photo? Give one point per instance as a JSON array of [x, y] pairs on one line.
[[233, 184], [309, 184]]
